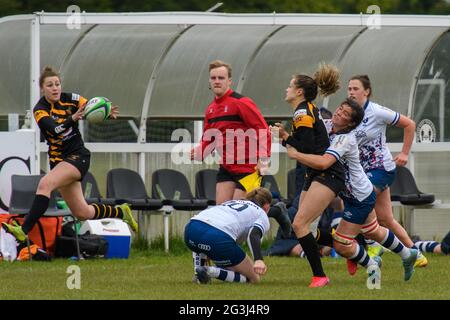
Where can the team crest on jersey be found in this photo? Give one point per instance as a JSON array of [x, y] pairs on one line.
[[211, 110], [75, 97], [365, 120], [73, 157], [225, 109]]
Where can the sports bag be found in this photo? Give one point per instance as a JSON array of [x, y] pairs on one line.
[[43, 234], [91, 246]]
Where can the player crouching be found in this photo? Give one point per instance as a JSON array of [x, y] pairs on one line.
[[215, 233]]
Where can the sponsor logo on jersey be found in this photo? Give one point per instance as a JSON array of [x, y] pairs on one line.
[[75, 97], [204, 247]]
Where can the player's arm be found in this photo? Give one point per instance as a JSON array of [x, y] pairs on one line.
[[48, 124], [409, 130], [303, 137], [254, 243], [302, 140], [318, 162]]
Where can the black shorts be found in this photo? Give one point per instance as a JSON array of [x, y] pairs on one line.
[[224, 175], [334, 181], [80, 158]]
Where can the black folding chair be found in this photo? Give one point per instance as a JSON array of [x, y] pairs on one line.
[[91, 191], [23, 192], [172, 187], [405, 190], [125, 185], [205, 185]]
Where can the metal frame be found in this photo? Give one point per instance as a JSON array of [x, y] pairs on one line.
[[188, 19], [440, 83]]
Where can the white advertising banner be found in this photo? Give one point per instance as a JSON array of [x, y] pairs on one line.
[[17, 156]]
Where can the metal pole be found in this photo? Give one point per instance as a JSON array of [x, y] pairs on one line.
[[35, 58]]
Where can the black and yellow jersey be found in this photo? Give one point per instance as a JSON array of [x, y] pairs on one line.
[[309, 134], [57, 126]]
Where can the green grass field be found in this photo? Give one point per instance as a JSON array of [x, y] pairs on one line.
[[152, 274]]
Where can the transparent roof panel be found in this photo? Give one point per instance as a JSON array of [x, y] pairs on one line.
[[391, 56], [181, 87], [292, 50], [14, 67], [432, 98], [119, 60], [56, 42]]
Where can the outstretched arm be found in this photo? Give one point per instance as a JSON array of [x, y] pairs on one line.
[[318, 162]]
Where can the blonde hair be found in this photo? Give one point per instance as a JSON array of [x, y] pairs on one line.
[[47, 72], [260, 196], [219, 63], [326, 79]]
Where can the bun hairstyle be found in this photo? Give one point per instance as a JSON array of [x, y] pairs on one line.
[[326, 79], [365, 81], [47, 72], [259, 196]]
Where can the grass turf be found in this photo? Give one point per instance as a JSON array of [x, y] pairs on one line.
[[150, 273]]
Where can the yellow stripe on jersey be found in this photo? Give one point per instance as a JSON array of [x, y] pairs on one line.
[[251, 181], [311, 110], [303, 121], [67, 104], [59, 112], [39, 114]]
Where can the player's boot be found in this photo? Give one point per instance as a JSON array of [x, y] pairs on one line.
[[421, 261], [408, 264], [202, 275], [15, 230], [352, 267], [317, 282], [375, 250], [128, 216]]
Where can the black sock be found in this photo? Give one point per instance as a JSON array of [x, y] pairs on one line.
[[105, 211], [324, 237], [38, 208], [311, 250], [361, 240]]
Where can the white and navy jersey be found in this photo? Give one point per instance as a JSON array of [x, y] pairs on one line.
[[236, 218], [371, 137], [344, 148]]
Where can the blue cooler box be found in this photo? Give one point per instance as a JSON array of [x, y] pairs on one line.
[[115, 231]]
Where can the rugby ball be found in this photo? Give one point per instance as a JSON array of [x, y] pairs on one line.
[[97, 109]]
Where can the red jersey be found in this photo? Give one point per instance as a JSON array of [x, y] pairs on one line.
[[236, 129]]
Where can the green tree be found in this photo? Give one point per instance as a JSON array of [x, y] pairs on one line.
[[440, 7]]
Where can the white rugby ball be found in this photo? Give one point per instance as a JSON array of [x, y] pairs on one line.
[[97, 109]]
